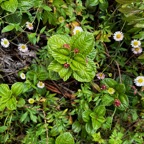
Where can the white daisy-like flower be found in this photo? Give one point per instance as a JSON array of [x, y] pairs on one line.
[[139, 81], [118, 36], [77, 29], [5, 43], [137, 50], [31, 100], [23, 47], [29, 25], [100, 75], [40, 84], [22, 75], [135, 43]]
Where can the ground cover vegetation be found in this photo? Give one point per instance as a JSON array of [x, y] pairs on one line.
[[71, 72]]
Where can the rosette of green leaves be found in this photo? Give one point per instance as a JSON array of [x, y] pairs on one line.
[[79, 64]]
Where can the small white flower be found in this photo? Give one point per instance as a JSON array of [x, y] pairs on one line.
[[118, 36], [29, 25], [139, 81], [5, 43], [23, 47], [40, 84], [100, 75], [135, 43], [137, 50], [77, 29], [22, 75]]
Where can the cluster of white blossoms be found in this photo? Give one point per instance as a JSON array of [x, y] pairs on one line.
[[139, 81], [136, 46], [77, 29]]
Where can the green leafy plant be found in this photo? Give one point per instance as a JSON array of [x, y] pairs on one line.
[[8, 97], [71, 56]]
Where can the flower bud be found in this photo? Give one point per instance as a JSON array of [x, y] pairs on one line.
[[117, 103], [103, 87], [76, 50], [66, 46], [66, 65]]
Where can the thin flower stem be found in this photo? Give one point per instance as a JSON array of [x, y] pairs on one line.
[[47, 137], [119, 71], [113, 114]]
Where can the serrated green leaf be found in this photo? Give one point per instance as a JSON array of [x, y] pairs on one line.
[[89, 128], [57, 41], [84, 41], [65, 73], [127, 81], [14, 18], [32, 38], [55, 66], [120, 88], [100, 110], [126, 1], [78, 64], [24, 116], [107, 100], [4, 90], [109, 82], [76, 127], [95, 124], [46, 8], [10, 5], [33, 117], [65, 138], [21, 102], [61, 55], [3, 129], [8, 28], [124, 102], [17, 88], [86, 115], [11, 103], [2, 106]]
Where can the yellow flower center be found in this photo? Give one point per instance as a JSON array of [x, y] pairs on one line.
[[101, 74], [135, 43], [140, 80], [22, 75], [5, 42], [40, 84], [118, 36], [23, 46], [77, 31], [30, 25], [137, 49]]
